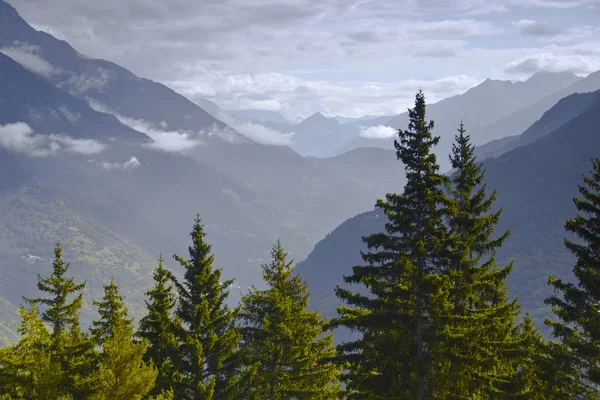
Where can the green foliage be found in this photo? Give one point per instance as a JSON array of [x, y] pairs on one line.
[[122, 372], [60, 313], [477, 338], [27, 370], [577, 306], [390, 360], [159, 330], [283, 338], [208, 338], [112, 312]]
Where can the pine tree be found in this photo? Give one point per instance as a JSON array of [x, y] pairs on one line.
[[208, 338], [283, 338], [112, 313], [159, 329], [577, 305], [71, 351], [60, 312], [122, 373], [391, 359], [477, 343]]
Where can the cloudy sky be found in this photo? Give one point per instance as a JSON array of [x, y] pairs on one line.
[[340, 57]]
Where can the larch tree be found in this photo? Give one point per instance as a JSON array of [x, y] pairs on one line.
[[208, 365], [391, 359], [477, 340], [283, 338], [577, 305], [158, 328]]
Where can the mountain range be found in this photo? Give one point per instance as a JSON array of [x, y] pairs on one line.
[[116, 166], [535, 184]]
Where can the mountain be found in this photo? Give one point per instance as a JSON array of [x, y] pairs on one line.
[[564, 111], [535, 185], [28, 97], [103, 170], [346, 120], [478, 107], [260, 116], [518, 121]]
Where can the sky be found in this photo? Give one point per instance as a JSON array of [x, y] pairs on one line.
[[338, 57]]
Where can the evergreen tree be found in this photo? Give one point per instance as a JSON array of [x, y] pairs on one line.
[[158, 328], [122, 373], [112, 313], [391, 359], [60, 313], [208, 338], [71, 352], [577, 305], [283, 338], [478, 340], [27, 370]]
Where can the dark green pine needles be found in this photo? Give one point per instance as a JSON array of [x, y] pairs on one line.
[[159, 328], [391, 359], [477, 339], [577, 305], [208, 339], [283, 338]]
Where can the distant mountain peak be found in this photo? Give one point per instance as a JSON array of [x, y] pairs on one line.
[[318, 117]]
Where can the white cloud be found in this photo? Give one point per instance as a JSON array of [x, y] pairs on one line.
[[19, 137], [257, 132], [552, 63], [79, 146], [378, 132], [27, 56], [128, 165], [164, 140], [169, 141]]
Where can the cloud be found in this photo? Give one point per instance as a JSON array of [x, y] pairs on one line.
[[19, 137], [128, 165], [27, 56], [257, 132], [530, 27], [304, 56], [163, 140], [378, 132], [77, 83], [552, 63]]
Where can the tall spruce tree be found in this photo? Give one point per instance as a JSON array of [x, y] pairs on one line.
[[392, 358], [577, 306], [159, 328], [122, 372], [478, 340], [208, 338], [283, 338]]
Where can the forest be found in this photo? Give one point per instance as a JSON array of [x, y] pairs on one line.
[[431, 312]]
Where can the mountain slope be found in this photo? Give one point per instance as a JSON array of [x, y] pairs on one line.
[[535, 184], [518, 121], [564, 111], [480, 106], [27, 97]]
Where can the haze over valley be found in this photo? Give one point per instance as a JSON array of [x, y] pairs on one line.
[[272, 123]]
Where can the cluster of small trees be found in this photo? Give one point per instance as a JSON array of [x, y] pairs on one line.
[[435, 320], [189, 345]]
